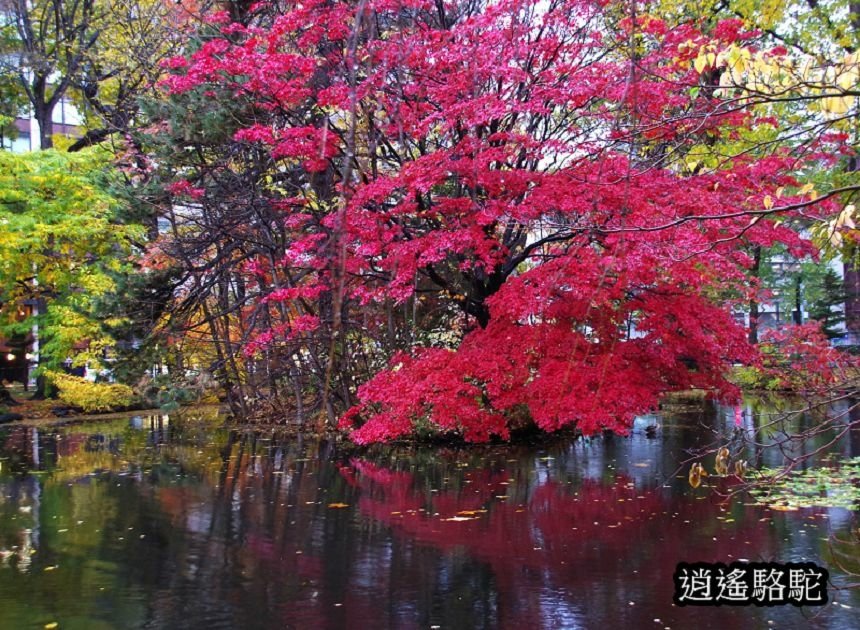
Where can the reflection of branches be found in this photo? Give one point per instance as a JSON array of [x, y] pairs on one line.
[[835, 559], [776, 434]]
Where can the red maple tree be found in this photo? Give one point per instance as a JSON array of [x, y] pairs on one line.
[[522, 166]]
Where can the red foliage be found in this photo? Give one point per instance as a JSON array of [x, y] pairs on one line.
[[512, 157], [801, 358]]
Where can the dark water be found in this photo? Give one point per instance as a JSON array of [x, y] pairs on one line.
[[175, 523]]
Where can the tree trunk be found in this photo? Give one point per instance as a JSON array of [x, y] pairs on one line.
[[44, 115], [851, 275], [798, 301], [754, 311], [6, 397], [39, 392]]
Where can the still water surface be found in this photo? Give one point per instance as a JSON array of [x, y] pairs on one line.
[[157, 522]]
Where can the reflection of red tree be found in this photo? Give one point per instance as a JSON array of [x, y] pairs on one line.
[[595, 512], [581, 539]]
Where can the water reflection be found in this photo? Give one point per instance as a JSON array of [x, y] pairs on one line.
[[169, 522]]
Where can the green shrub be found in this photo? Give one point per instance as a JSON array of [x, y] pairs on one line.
[[168, 392], [750, 378], [81, 393]]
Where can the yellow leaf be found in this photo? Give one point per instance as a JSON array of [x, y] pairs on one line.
[[836, 239], [768, 202], [711, 59], [836, 104], [848, 78], [847, 216], [52, 625], [806, 188], [338, 505], [736, 59]]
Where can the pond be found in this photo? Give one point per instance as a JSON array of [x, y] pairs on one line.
[[176, 522]]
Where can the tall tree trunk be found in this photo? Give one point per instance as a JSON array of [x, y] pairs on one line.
[[798, 300], [298, 390], [39, 308], [851, 283], [851, 274], [754, 305]]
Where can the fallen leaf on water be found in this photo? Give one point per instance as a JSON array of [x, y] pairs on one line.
[[338, 505], [460, 518], [50, 626]]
